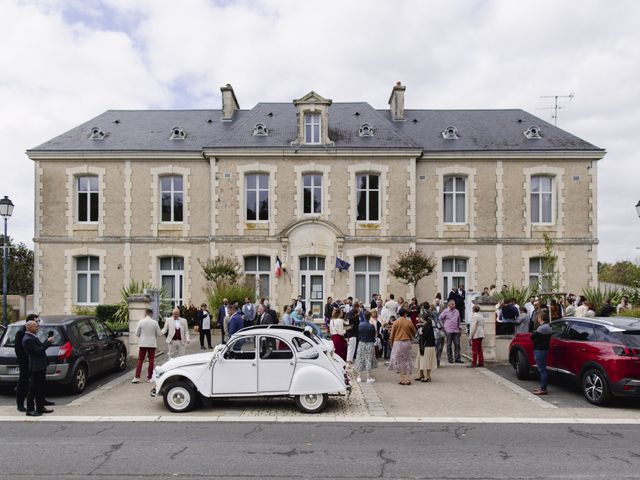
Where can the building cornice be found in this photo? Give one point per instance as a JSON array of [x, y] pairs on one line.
[[517, 155], [108, 155], [311, 152]]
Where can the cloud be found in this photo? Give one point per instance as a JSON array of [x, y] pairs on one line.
[[70, 60]]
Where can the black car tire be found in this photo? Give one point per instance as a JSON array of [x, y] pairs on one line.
[[521, 366], [313, 403], [121, 360], [180, 397], [79, 379], [595, 387]]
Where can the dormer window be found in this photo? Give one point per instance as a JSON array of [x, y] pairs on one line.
[[532, 132], [450, 133], [312, 124], [365, 130], [313, 120], [178, 133], [97, 134], [260, 130]]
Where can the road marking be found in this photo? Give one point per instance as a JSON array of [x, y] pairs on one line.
[[321, 419], [518, 390], [100, 390]]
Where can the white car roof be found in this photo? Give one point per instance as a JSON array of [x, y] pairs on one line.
[[286, 332]]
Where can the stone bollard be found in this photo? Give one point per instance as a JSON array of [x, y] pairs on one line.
[[137, 306], [488, 310]]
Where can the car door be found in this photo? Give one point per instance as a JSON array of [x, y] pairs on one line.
[[275, 366], [89, 346], [236, 369], [107, 346], [581, 338], [557, 345]]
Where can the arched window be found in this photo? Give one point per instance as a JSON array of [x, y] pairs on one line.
[[172, 198], [87, 280], [368, 197], [541, 199]]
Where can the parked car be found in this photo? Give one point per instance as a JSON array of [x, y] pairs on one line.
[[602, 354], [263, 360], [82, 348]]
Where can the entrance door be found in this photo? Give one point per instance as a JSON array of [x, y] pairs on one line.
[[454, 274], [312, 284]]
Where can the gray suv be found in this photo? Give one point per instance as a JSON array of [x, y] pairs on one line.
[[82, 348]]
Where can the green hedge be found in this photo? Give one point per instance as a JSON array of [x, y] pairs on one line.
[[106, 312]]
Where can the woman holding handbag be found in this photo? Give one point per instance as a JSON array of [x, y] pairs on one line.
[[337, 331], [426, 358], [402, 332]]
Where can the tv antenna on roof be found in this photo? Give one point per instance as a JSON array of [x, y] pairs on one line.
[[556, 107]]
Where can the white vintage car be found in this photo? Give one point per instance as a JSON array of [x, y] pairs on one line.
[[265, 360]]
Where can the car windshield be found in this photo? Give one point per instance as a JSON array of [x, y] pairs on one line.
[[9, 340]]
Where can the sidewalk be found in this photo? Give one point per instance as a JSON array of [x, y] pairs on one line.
[[455, 394]]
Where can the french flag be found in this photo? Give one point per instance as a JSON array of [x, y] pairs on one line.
[[278, 266]]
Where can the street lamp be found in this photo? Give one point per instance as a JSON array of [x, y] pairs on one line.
[[6, 209], [638, 207]]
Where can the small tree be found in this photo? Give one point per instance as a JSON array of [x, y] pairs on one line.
[[549, 276], [220, 268], [412, 266]]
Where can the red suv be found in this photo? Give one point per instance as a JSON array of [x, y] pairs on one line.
[[603, 354]]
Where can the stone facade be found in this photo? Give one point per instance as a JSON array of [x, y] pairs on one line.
[[495, 237]]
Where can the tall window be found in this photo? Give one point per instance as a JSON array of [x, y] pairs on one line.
[[454, 274], [368, 197], [455, 200], [171, 276], [88, 199], [87, 280], [541, 199], [312, 185], [257, 196], [257, 269], [538, 276], [367, 270], [172, 198], [311, 128]]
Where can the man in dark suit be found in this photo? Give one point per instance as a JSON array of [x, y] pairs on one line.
[[264, 317], [23, 362], [37, 353]]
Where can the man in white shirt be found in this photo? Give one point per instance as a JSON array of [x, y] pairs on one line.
[[148, 330], [177, 331], [392, 306]]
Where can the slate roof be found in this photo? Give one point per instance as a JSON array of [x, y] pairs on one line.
[[478, 130]]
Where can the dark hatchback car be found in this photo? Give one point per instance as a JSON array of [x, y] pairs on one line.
[[602, 354], [82, 348]]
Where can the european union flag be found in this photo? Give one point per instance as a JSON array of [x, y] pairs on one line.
[[342, 265]]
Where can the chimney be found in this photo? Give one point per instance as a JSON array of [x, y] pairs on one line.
[[229, 103], [396, 102]]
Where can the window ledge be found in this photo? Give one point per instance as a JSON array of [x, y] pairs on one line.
[[368, 225], [85, 227], [256, 225], [170, 227], [542, 227], [456, 227]]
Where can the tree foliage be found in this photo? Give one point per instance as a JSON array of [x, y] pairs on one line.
[[622, 272], [136, 287], [221, 268], [549, 276], [20, 269], [412, 266]]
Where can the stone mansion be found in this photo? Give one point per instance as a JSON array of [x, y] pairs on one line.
[[146, 194]]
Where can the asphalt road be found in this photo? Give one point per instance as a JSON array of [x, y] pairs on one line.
[[317, 450], [60, 393], [564, 392]]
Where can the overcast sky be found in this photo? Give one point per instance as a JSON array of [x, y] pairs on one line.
[[65, 61]]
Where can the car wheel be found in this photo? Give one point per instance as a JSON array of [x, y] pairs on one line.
[[79, 381], [312, 403], [180, 397], [121, 361], [522, 366], [595, 387]]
